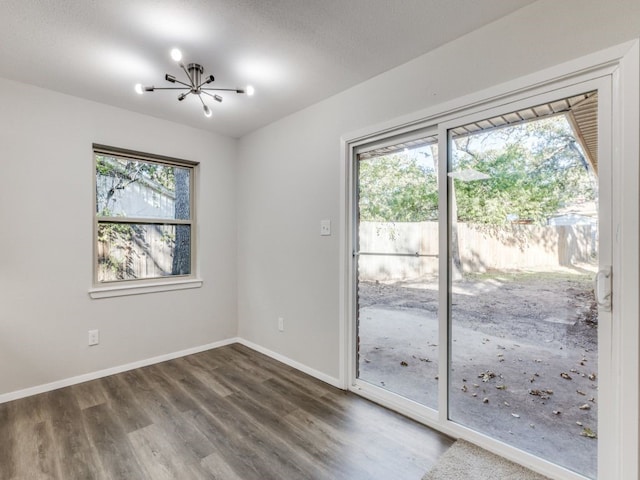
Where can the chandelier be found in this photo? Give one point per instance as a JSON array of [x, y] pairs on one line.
[[196, 84]]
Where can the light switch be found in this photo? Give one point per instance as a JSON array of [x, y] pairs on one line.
[[325, 227]]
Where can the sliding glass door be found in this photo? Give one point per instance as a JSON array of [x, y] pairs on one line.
[[475, 244], [397, 267], [523, 251]]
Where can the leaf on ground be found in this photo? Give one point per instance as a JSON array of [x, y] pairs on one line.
[[586, 406], [485, 400], [501, 387], [515, 415], [592, 376], [404, 364], [587, 432], [557, 412], [580, 392], [544, 394], [566, 376], [486, 376]]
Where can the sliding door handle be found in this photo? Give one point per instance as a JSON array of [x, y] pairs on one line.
[[603, 288]]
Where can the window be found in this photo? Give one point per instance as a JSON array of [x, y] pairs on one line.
[[144, 217]]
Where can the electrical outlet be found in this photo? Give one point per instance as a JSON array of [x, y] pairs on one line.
[[281, 324], [325, 227], [94, 337]]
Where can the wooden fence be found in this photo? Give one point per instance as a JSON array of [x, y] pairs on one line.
[[480, 248]]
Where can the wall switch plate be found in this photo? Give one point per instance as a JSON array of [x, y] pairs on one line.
[[281, 324], [325, 227], [94, 337]]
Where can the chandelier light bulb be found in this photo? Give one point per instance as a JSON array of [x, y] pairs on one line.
[[207, 111], [139, 89], [250, 90], [176, 55]]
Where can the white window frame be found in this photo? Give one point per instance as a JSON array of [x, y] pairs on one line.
[[105, 289], [620, 66]]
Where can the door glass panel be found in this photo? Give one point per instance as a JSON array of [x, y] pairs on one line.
[[523, 249], [397, 269]]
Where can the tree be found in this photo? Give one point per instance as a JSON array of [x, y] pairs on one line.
[[534, 170], [181, 264], [397, 188]]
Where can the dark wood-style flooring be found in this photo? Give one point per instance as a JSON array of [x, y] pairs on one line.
[[229, 413]]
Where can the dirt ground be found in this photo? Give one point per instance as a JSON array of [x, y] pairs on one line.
[[523, 356]]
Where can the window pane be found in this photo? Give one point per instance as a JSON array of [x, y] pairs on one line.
[[524, 325], [397, 269], [133, 188], [141, 251]]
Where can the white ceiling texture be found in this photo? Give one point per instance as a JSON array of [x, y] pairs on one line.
[[294, 52]]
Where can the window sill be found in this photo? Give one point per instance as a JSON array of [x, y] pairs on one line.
[[139, 289]]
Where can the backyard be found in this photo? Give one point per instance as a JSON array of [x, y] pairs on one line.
[[524, 356]]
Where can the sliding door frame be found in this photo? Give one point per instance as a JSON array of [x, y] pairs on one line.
[[617, 68]]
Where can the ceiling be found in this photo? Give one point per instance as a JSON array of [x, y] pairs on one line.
[[294, 52]]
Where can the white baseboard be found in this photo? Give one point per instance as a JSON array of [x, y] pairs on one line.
[[47, 387], [335, 382]]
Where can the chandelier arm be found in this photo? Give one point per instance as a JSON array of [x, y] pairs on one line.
[[221, 89], [206, 82], [188, 76], [207, 93], [182, 83], [202, 101], [172, 88]]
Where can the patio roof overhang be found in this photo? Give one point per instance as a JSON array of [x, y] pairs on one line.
[[581, 112]]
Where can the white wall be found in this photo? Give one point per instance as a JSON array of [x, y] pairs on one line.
[[289, 171], [46, 215]]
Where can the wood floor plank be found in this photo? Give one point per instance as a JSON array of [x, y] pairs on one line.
[[110, 441], [229, 413], [219, 468], [121, 399], [8, 455], [347, 456], [207, 375], [245, 462], [89, 394], [241, 432], [279, 404], [162, 458], [33, 438], [174, 394], [76, 458], [228, 356], [166, 416]]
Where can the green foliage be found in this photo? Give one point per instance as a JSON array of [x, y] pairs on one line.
[[534, 170], [396, 188]]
